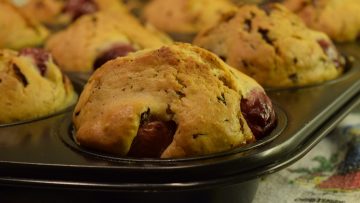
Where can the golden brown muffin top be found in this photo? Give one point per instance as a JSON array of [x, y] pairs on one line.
[[180, 84], [273, 46]]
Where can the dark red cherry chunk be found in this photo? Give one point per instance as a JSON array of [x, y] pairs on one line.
[[77, 8], [258, 113], [330, 50], [40, 57], [112, 53], [153, 137]]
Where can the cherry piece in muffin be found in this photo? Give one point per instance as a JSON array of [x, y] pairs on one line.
[[259, 113], [152, 138], [78, 8], [112, 53], [40, 57]]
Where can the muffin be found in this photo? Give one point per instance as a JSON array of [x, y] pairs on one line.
[[175, 101], [16, 30], [31, 85], [185, 16], [273, 46], [340, 19], [61, 12], [44, 11], [94, 39]]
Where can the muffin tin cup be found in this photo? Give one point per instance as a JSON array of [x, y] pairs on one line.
[[46, 150], [69, 138]]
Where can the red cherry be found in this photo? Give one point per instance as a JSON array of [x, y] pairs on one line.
[[40, 57], [258, 113]]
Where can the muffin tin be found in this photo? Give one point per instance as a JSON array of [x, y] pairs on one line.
[[41, 154]]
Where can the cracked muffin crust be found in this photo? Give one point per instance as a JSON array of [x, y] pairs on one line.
[[16, 30], [273, 46], [185, 16], [94, 39], [175, 101], [340, 19], [31, 85]]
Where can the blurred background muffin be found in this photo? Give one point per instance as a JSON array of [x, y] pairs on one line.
[[185, 16], [94, 39], [31, 85], [340, 19], [17, 30], [44, 11], [273, 46], [59, 13]]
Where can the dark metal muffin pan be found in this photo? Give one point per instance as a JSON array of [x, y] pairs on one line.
[[40, 159]]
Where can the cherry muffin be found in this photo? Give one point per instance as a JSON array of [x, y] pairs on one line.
[[340, 19], [94, 39], [62, 12], [31, 85], [273, 46], [16, 30], [171, 102], [45, 11], [185, 16]]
